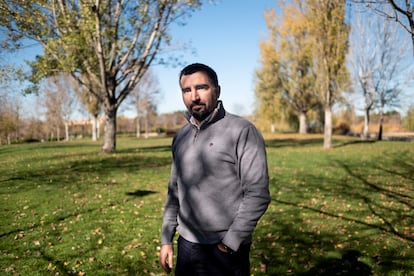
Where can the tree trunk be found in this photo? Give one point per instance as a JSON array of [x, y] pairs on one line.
[[98, 128], [66, 131], [327, 133], [302, 123], [381, 122], [146, 127], [95, 128], [365, 132], [109, 143], [138, 127]]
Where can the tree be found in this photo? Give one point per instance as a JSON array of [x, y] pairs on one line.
[[59, 103], [52, 114], [91, 103], [65, 85], [110, 42], [144, 100], [368, 90], [297, 74], [388, 76], [327, 22], [378, 52], [408, 120], [268, 85], [363, 51], [9, 118], [9, 72], [379, 56], [400, 11], [288, 56], [9, 102], [310, 45]]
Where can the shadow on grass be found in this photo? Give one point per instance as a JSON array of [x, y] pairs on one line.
[[72, 173], [348, 264], [59, 266], [362, 213], [140, 193], [299, 234], [159, 148], [79, 170], [296, 143], [353, 142], [74, 214], [282, 143]]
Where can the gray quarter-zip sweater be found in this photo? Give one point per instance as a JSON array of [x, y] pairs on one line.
[[219, 184]]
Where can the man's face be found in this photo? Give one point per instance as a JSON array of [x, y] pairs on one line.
[[199, 95]]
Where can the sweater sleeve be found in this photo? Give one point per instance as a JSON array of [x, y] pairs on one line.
[[253, 175], [170, 209]]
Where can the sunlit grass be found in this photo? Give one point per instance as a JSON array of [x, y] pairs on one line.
[[67, 209]]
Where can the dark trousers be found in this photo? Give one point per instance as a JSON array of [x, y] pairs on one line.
[[206, 259]]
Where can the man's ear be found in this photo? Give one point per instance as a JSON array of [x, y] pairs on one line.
[[218, 90]]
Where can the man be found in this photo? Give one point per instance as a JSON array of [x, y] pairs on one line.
[[219, 184]]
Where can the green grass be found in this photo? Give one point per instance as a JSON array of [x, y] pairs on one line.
[[66, 209]]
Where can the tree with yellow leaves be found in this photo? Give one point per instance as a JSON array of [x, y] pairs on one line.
[[287, 78], [330, 33]]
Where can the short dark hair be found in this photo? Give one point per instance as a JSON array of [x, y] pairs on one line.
[[199, 67]]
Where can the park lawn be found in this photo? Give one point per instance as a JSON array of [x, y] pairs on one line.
[[67, 209]]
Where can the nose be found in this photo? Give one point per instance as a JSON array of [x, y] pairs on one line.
[[194, 95]]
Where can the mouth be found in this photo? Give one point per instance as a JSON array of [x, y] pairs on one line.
[[197, 107]]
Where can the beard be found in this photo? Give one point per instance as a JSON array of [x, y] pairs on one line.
[[199, 111]]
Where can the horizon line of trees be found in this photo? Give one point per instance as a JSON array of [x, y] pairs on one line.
[[15, 127]]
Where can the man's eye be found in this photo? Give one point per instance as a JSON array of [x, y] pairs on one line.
[[186, 90], [202, 86]]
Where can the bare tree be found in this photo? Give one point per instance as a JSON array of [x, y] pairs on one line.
[[379, 57], [392, 74], [368, 90], [9, 118], [363, 51], [400, 11], [90, 102], [144, 98], [59, 103], [52, 114]]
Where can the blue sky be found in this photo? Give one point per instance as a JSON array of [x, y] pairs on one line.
[[226, 37]]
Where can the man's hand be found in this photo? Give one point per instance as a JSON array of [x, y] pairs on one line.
[[166, 257]]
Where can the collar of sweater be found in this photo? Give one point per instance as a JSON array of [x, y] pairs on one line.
[[214, 116]]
